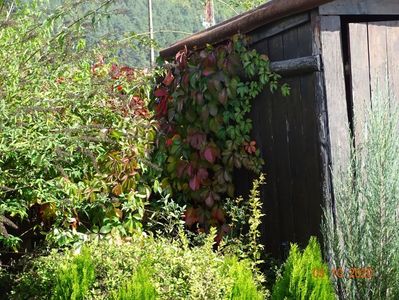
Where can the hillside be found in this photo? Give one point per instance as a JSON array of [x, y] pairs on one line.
[[127, 24]]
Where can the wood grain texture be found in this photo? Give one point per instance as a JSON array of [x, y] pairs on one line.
[[359, 60], [393, 52], [360, 7], [287, 134], [374, 48], [295, 66], [278, 27], [335, 91], [322, 118], [377, 33]]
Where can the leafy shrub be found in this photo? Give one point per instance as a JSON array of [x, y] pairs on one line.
[[304, 276], [74, 279], [75, 132], [173, 268], [361, 231], [202, 106], [243, 220]]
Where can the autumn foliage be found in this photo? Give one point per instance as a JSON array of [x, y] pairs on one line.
[[202, 105]]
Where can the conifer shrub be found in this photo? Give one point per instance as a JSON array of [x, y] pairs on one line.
[[305, 276], [244, 287], [74, 279], [139, 287]]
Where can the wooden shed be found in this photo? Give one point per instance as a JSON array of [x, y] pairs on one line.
[[335, 55]]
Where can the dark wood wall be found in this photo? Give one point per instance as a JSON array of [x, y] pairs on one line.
[[287, 132]]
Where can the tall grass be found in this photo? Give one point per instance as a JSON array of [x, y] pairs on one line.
[[361, 230]]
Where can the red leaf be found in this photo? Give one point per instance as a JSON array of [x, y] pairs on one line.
[[129, 72], [250, 147], [162, 107], [195, 183], [161, 92], [211, 153], [168, 79], [181, 57], [196, 139], [191, 216], [210, 201], [190, 170], [114, 72], [209, 156], [218, 214], [202, 174]]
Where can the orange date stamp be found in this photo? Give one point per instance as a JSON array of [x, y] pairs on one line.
[[351, 273]]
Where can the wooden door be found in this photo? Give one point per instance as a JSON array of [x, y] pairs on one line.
[[374, 58]]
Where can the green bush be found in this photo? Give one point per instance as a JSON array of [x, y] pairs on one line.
[[361, 231], [305, 276], [75, 132], [144, 267]]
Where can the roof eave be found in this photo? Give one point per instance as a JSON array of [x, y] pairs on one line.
[[244, 23]]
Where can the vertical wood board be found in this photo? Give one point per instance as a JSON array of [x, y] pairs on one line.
[[286, 130], [335, 91], [359, 59], [324, 147], [393, 60], [374, 48], [378, 60]]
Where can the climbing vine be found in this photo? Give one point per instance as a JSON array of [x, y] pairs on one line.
[[202, 105]]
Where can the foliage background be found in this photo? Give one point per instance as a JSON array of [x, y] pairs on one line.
[[127, 24]]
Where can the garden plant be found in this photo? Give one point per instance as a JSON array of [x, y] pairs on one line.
[[118, 182]]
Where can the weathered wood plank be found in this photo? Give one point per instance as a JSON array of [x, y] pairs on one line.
[[262, 111], [308, 178], [311, 170], [296, 66], [278, 27], [360, 73], [393, 52], [360, 7], [281, 151], [311, 164], [263, 123], [377, 33], [321, 119], [335, 90], [293, 141]]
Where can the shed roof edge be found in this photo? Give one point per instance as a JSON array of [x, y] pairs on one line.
[[244, 23]]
